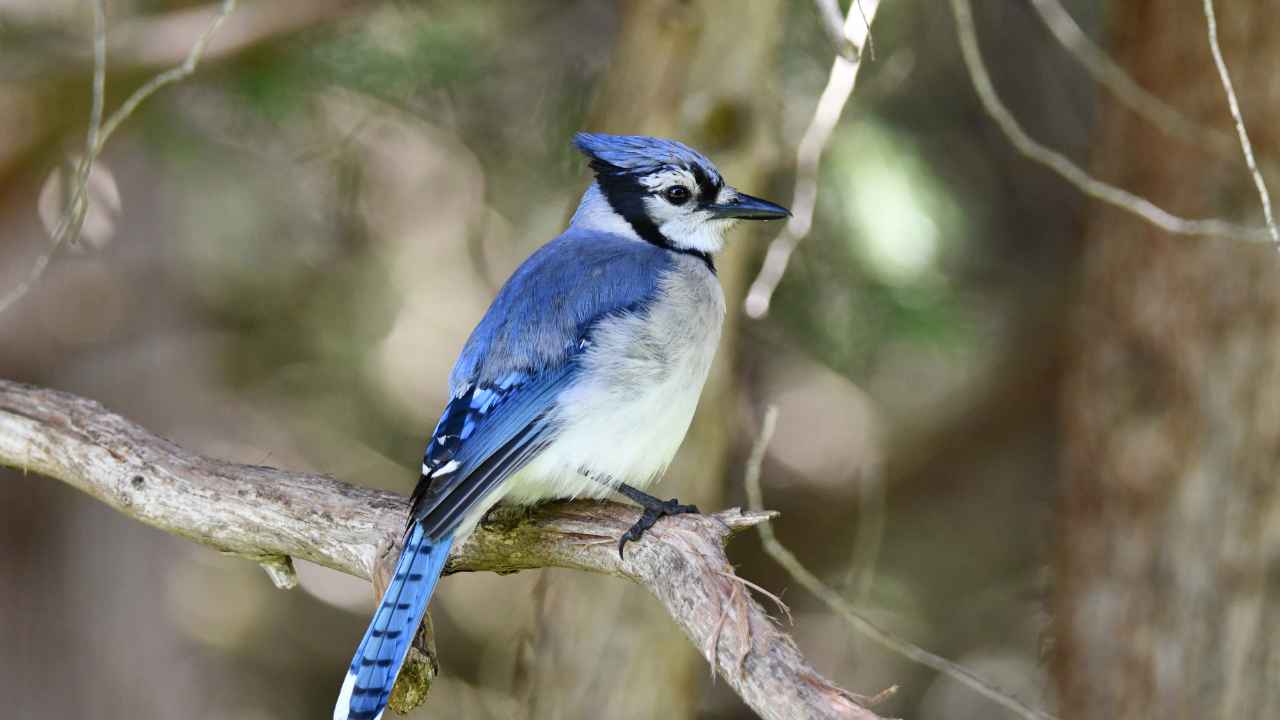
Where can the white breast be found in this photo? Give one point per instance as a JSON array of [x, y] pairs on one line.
[[641, 379]]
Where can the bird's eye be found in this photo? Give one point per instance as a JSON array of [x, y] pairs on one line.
[[677, 194]]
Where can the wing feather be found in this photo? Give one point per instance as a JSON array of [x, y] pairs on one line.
[[486, 434]]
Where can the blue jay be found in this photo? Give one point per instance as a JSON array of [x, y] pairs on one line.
[[581, 377]]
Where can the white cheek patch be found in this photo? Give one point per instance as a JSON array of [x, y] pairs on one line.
[[695, 230], [661, 212]]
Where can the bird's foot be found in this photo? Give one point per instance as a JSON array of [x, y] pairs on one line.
[[654, 509]]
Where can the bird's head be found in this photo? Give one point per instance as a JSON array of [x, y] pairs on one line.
[[667, 193]]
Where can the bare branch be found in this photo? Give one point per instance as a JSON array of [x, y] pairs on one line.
[[1110, 75], [72, 219], [833, 24], [840, 83], [842, 607], [169, 76], [67, 231], [159, 39], [870, 534], [1245, 146], [260, 512], [1068, 170]]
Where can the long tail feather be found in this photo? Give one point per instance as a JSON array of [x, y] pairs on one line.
[[383, 648]]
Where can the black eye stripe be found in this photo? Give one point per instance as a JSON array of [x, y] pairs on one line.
[[625, 194], [708, 187]]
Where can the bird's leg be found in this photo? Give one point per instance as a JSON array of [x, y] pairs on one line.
[[653, 510]]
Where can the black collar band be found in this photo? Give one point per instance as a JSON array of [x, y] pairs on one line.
[[702, 255], [626, 196]]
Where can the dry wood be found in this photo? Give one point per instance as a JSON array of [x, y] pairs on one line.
[[271, 515]]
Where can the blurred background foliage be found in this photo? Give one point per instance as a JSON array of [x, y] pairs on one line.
[[307, 229]]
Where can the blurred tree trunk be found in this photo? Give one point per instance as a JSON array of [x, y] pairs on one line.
[[692, 71], [1168, 594]]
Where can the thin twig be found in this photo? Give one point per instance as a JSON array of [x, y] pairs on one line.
[[871, 40], [170, 76], [866, 549], [72, 217], [1245, 146], [840, 84], [841, 606], [1068, 170], [71, 222], [1110, 75], [833, 24]]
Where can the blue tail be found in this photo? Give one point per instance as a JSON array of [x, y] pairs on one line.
[[383, 648]]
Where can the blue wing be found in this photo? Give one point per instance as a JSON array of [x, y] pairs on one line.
[[521, 356], [554, 298], [487, 433]]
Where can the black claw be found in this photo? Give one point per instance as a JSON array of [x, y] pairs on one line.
[[654, 509]]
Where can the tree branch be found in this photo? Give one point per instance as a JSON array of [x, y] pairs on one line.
[[1233, 103], [839, 605], [856, 31], [1108, 73], [71, 220], [1117, 197], [72, 217], [271, 515]]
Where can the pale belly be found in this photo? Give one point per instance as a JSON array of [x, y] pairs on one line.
[[610, 442], [626, 421]]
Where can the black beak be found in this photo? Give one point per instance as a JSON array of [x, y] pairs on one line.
[[746, 207]]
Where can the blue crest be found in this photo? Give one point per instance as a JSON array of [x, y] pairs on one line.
[[641, 154]]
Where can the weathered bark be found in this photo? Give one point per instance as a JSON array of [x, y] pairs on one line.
[[271, 515], [1167, 599]]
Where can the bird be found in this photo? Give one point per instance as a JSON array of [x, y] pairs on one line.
[[580, 380]]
